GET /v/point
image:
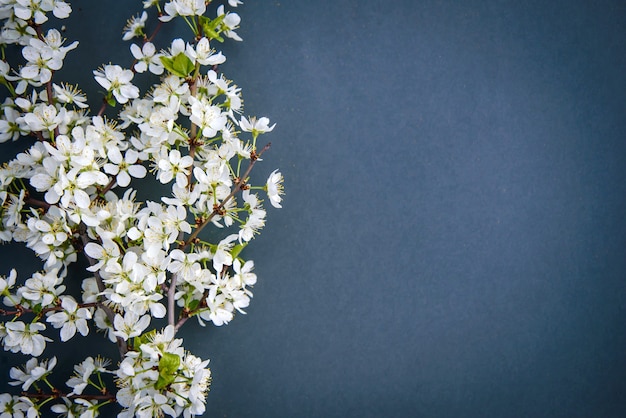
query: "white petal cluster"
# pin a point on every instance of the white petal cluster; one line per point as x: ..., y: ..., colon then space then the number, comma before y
x: 117, y: 80
x: 135, y: 26
x: 147, y: 58
x: 20, y: 337
x: 160, y: 377
x: 32, y: 372
x: 175, y: 8
x: 70, y: 319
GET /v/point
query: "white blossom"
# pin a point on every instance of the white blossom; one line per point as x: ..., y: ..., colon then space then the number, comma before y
x: 123, y: 167
x: 117, y: 80
x: 32, y: 372
x: 183, y: 8
x: 71, y: 319
x: 25, y: 338
x: 135, y: 27
x: 274, y: 187
x: 147, y: 58
x: 230, y: 23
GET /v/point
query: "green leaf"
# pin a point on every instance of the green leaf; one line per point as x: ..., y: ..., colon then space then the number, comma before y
x: 237, y: 249
x: 183, y: 64
x: 143, y: 339
x: 209, y: 27
x: 179, y: 65
x: 193, y: 305
x: 111, y: 100
x: 168, y: 366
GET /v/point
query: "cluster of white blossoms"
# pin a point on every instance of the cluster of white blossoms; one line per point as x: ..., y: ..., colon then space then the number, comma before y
x: 68, y: 195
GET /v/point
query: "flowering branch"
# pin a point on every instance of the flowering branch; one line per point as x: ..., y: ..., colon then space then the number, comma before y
x: 69, y: 195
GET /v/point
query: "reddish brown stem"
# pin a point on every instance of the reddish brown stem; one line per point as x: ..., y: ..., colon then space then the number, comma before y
x: 237, y: 188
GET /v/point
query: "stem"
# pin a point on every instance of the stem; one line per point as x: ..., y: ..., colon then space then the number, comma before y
x: 38, y: 203
x: 103, y: 107
x: 238, y: 187
x: 108, y: 187
x: 156, y: 30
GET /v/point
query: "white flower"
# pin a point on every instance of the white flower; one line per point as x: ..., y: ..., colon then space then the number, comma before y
x: 44, y: 118
x: 44, y: 56
x: 173, y: 165
x: 6, y: 283
x: 66, y: 93
x: 203, y: 54
x: 274, y: 188
x: 255, y: 221
x: 256, y: 126
x: 207, y: 116
x: 83, y: 371
x: 76, y: 408
x: 222, y: 256
x: 147, y: 58
x: 243, y: 274
x: 32, y: 372
x: 42, y: 289
x: 230, y: 23
x: 11, y: 406
x: 70, y: 187
x: 124, y: 167
x: 183, y: 8
x: 130, y: 325
x: 72, y: 318
x: 135, y: 27
x: 10, y: 128
x: 172, y: 87
x: 27, y: 9
x: 117, y: 80
x: 109, y: 250
x: 25, y: 338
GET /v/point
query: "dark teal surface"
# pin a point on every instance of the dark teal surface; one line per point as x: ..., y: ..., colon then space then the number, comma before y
x: 453, y: 237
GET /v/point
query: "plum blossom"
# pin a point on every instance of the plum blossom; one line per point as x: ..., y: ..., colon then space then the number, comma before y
x: 147, y: 58
x: 83, y: 371
x: 123, y: 167
x: 71, y: 319
x: 203, y: 54
x: 32, y: 372
x: 25, y: 338
x: 117, y: 80
x: 183, y: 8
x: 130, y: 325
x: 207, y: 116
x: 256, y: 126
x: 66, y: 93
x: 274, y: 188
x: 135, y: 27
x: 44, y: 56
x: 173, y: 165
x: 230, y: 23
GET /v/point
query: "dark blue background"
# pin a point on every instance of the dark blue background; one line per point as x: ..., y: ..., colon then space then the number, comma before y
x: 452, y: 242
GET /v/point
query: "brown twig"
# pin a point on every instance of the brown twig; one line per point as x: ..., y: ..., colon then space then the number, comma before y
x: 239, y: 186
